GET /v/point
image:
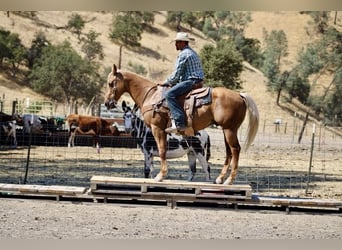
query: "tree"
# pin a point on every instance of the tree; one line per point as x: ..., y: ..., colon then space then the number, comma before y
x: 324, y: 57
x: 276, y: 49
x: 190, y: 19
x: 320, y: 20
x: 146, y: 16
x: 222, y: 24
x: 238, y: 21
x: 173, y: 19
x: 76, y: 24
x: 215, y: 26
x: 222, y: 64
x: 126, y: 30
x: 63, y: 75
x: 250, y: 49
x: 209, y: 30
x: 333, y: 110
x: 5, y: 51
x: 297, y: 86
x: 202, y: 17
x: 37, y: 45
x: 11, y: 50
x: 92, y: 48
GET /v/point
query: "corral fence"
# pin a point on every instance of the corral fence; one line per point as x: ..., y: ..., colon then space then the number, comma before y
x: 276, y: 164
x: 27, y: 106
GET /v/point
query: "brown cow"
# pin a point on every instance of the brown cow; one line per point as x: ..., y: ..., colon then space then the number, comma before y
x: 90, y: 125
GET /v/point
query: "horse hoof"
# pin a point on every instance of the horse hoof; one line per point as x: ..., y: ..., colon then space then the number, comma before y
x: 158, y: 178
x: 218, y: 181
x: 228, y: 182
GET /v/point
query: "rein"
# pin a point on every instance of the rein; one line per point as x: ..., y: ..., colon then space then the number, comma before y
x: 144, y: 109
x: 147, y: 92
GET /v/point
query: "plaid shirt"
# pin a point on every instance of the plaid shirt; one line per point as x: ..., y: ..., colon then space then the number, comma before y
x: 188, y: 66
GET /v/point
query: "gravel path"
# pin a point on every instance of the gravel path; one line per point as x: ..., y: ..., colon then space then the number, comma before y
x: 39, y: 219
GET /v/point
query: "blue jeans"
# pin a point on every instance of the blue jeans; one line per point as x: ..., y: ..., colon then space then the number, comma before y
x: 177, y: 112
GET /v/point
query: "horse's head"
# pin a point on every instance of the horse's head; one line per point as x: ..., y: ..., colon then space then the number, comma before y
x: 115, y: 88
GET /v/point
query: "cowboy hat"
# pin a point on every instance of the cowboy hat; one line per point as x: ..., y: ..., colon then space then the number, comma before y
x: 182, y: 36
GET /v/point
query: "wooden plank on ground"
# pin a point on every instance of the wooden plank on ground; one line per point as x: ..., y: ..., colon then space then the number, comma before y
x: 148, y: 186
x: 298, y: 202
x: 41, y: 189
x: 174, y: 183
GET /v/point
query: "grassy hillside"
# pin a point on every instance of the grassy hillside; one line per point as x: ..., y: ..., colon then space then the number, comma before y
x: 157, y: 54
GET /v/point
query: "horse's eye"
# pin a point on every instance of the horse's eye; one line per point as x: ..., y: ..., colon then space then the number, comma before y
x: 110, y: 84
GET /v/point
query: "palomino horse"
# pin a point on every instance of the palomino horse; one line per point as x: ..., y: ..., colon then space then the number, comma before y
x: 226, y: 109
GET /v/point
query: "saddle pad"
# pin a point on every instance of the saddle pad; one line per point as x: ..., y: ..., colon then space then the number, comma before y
x: 203, y: 97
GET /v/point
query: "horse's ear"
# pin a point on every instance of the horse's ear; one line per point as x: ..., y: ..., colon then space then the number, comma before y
x: 114, y: 69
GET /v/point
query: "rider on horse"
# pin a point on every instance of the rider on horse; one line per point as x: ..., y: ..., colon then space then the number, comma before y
x: 187, y: 73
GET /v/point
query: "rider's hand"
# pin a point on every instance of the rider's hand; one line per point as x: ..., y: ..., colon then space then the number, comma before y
x: 163, y: 84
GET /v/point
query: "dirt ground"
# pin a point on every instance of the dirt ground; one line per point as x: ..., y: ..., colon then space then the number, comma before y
x: 33, y: 219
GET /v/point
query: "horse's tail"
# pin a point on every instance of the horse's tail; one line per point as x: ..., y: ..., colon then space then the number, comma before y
x: 253, y: 123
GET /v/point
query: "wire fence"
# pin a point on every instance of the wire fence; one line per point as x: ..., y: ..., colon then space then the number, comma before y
x: 276, y: 164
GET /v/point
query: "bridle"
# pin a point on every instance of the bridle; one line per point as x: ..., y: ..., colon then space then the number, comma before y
x: 113, y: 87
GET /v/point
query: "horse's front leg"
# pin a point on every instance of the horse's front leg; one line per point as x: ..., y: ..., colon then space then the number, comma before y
x: 160, y: 137
x: 163, y: 164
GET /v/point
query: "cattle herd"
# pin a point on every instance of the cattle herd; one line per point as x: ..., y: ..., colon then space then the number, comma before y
x: 15, y: 129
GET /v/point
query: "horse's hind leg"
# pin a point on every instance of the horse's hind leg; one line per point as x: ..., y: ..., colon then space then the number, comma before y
x: 232, y: 157
x: 224, y: 171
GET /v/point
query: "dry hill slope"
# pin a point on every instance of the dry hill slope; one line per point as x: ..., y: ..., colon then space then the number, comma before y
x: 157, y: 53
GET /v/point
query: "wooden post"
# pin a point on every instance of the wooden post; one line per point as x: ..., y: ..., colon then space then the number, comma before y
x: 14, y: 107
x: 303, y: 128
x: 120, y: 56
x: 310, y: 163
x: 28, y: 152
